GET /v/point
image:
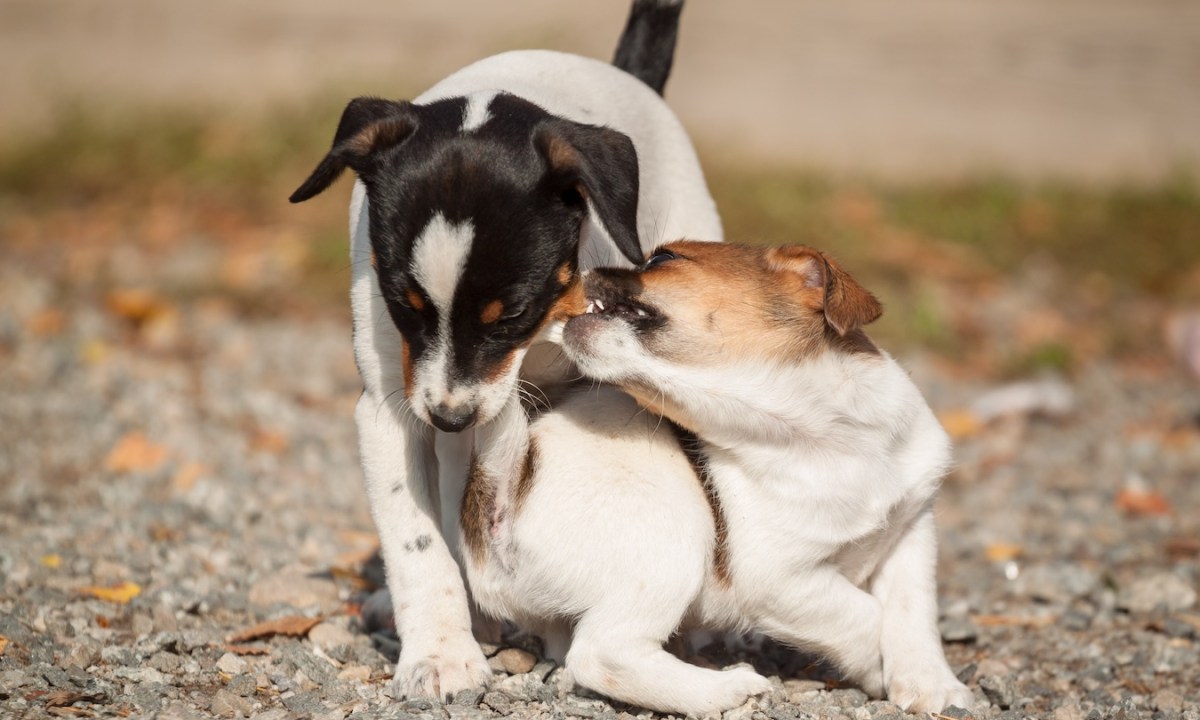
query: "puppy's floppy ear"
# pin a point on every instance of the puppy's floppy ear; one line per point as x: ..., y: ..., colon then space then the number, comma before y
x: 368, y: 125
x: 600, y: 166
x: 846, y: 304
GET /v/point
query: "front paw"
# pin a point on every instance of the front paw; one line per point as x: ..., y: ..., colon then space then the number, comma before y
x: 929, y: 692
x: 441, y: 673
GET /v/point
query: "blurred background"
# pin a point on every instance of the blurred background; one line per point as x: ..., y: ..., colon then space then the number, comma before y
x: 1015, y: 179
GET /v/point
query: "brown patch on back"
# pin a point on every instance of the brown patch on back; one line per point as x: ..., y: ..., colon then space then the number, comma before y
x: 479, y: 499
x: 491, y: 312
x: 524, y: 484
x: 414, y: 299
x: 690, y: 444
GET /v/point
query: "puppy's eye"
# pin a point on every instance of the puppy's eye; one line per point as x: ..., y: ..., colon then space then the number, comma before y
x: 514, y: 312
x: 658, y: 258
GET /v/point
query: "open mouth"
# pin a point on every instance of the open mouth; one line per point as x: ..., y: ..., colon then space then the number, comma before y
x: 623, y: 309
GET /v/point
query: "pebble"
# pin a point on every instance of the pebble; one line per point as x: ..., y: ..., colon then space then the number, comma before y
x: 999, y: 690
x: 228, y: 704
x: 231, y: 664
x: 328, y: 635
x: 1160, y: 590
x: 357, y: 673
x: 513, y: 661
x: 297, y: 590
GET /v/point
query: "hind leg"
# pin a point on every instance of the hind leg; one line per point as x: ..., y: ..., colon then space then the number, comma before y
x: 622, y: 656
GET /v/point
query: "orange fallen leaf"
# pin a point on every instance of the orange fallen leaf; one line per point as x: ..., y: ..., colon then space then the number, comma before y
x: 1142, y: 501
x: 1003, y: 552
x: 52, y: 561
x: 248, y: 649
x: 121, y: 593
x: 135, y: 452
x: 268, y: 441
x: 135, y: 305
x: 186, y: 476
x: 1001, y: 620
x: 45, y: 323
x: 961, y: 424
x: 291, y: 625
x: 3, y: 645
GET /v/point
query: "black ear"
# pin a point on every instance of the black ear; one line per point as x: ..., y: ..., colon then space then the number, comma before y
x: 601, y: 165
x: 367, y: 125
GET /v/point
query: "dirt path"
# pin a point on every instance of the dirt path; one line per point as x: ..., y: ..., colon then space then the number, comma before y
x: 1084, y: 89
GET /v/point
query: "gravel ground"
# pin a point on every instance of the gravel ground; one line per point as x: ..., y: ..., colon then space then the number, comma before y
x: 173, y: 474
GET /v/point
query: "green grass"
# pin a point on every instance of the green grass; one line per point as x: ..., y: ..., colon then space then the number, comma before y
x: 905, y: 241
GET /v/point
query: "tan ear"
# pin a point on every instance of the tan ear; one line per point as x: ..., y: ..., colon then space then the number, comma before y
x: 846, y: 304
x: 367, y: 126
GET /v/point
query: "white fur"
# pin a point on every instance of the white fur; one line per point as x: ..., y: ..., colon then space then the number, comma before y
x: 415, y: 475
x: 608, y: 552
x: 477, y: 110
x: 826, y: 470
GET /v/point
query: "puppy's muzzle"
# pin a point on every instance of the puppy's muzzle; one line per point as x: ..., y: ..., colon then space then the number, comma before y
x: 453, y: 419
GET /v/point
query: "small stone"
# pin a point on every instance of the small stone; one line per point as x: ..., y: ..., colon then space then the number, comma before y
x: 1057, y: 583
x: 327, y: 635
x: 1168, y: 701
x: 958, y: 630
x: 297, y: 590
x: 1163, y: 589
x: 142, y: 624
x: 85, y: 653
x: 498, y: 701
x: 165, y: 662
x: 227, y: 704
x: 584, y: 708
x: 15, y: 679
x: 1069, y: 710
x: 999, y: 690
x: 524, y: 687
x: 513, y: 661
x: 243, y: 685
x: 469, y: 696
x: 544, y: 668
x: 957, y: 713
x: 231, y: 664
x: 356, y: 673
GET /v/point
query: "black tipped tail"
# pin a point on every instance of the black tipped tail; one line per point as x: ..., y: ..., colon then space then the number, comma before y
x: 647, y: 46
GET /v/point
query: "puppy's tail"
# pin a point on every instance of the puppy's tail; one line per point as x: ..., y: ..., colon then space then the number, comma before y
x: 647, y: 46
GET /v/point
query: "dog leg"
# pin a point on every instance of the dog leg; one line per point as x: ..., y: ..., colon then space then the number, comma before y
x: 438, y: 654
x: 620, y: 653
x: 914, y: 666
x: 824, y: 612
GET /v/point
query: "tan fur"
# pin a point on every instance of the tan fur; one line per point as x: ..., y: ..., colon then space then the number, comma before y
x: 491, y: 312
x: 414, y: 300
x: 732, y: 301
x: 479, y: 499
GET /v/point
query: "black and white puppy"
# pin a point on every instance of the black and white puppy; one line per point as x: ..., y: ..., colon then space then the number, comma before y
x: 476, y: 207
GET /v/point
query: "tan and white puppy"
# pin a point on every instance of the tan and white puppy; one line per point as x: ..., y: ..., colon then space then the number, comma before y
x: 823, y: 456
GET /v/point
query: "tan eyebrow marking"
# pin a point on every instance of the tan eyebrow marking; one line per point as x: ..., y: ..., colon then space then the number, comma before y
x: 414, y: 300
x: 491, y: 312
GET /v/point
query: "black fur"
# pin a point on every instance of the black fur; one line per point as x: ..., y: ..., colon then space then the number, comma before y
x: 524, y: 180
x: 647, y: 46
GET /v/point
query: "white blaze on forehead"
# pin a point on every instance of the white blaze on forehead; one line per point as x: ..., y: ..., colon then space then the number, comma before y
x: 477, y: 110
x: 438, y: 259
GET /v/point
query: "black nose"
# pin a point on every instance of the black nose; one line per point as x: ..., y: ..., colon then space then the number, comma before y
x: 448, y: 419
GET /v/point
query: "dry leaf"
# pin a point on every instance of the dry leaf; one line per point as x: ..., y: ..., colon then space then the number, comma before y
x: 1142, y: 501
x: 961, y: 424
x: 292, y: 625
x: 998, y: 620
x: 1003, y: 552
x: 52, y: 561
x: 63, y: 698
x: 135, y: 452
x: 186, y: 476
x: 248, y: 649
x: 136, y: 305
x: 269, y: 441
x: 45, y: 323
x: 3, y: 645
x: 122, y: 593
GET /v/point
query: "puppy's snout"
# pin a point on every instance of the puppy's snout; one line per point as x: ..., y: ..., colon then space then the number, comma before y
x: 452, y: 418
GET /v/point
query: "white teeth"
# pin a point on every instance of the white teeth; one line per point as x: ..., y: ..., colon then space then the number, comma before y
x: 591, y: 307
x: 599, y: 305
